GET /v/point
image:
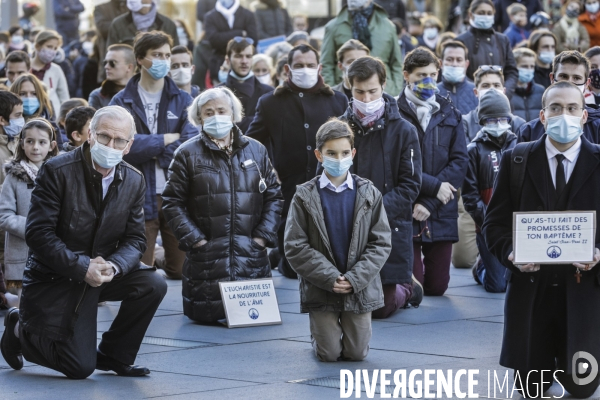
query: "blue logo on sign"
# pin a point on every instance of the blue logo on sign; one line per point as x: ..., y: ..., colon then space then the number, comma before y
x: 554, y: 252
x: 253, y: 313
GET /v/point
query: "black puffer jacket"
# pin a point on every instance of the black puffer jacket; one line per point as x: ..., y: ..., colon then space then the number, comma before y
x: 210, y: 196
x: 271, y: 21
x: 67, y: 225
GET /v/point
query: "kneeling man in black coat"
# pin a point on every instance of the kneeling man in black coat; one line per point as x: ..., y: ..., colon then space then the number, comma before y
x: 85, y: 232
x: 551, y: 311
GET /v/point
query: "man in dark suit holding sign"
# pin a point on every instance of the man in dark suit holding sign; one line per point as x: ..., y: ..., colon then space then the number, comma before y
x: 551, y: 322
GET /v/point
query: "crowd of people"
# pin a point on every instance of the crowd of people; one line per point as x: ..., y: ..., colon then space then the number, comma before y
x: 365, y: 164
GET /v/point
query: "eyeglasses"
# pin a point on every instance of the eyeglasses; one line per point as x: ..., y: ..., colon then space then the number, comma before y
x: 501, y: 120
x: 112, y: 63
x: 490, y: 68
x: 239, y: 39
x: 120, y: 144
x: 555, y: 109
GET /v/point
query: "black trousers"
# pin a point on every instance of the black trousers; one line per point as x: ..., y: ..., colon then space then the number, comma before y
x: 140, y: 292
x: 549, y: 352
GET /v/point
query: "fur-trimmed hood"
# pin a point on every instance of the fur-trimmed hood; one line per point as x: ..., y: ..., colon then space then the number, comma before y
x: 15, y: 169
x: 285, y: 87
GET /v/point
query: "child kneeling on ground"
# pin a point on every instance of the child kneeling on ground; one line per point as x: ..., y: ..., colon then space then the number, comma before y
x: 337, y: 239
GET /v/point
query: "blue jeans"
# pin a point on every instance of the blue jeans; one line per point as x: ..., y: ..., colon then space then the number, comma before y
x: 491, y: 273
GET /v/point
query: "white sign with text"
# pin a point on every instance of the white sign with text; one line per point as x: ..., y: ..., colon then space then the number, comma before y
x: 250, y: 303
x: 561, y: 237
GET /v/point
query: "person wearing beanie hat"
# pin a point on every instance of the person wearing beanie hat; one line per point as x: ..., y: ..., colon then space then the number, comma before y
x: 485, y: 152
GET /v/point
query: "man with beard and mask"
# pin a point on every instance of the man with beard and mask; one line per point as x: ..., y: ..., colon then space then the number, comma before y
x: 570, y: 66
x: 92, y: 256
x: 119, y: 64
x: 350, y: 51
x: 389, y: 155
x: 182, y: 70
x: 444, y: 160
x: 368, y: 23
x: 159, y: 108
x: 143, y: 16
x: 550, y: 310
x: 286, y: 122
x: 485, y: 151
x: 455, y: 85
x: 241, y: 79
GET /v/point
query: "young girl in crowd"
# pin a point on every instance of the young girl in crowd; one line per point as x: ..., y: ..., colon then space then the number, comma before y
x: 36, y: 103
x: 46, y: 46
x: 37, y: 143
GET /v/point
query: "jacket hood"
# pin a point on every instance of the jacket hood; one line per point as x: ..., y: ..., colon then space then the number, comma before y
x: 483, y: 136
x: 15, y: 169
x: 284, y: 87
x: 593, y: 112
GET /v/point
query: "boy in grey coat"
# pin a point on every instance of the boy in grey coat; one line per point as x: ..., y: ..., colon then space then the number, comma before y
x: 337, y: 239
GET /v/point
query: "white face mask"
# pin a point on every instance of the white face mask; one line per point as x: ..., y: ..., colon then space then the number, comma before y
x: 497, y: 130
x: 264, y: 79
x: 430, y: 33
x: 368, y: 108
x: 181, y: 76
x: 484, y: 91
x: 356, y: 4
x: 305, y: 78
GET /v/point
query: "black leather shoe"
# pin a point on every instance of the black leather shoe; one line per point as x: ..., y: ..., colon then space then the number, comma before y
x: 10, y: 345
x: 105, y: 363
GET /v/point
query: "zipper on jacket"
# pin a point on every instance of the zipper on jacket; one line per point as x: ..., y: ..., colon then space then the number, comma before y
x: 81, y: 298
x: 323, y: 237
x: 231, y: 183
x: 412, y: 152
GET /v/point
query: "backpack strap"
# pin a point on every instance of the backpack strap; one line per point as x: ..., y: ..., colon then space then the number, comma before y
x: 517, y: 171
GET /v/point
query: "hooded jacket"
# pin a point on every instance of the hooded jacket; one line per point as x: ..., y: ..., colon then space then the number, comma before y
x: 484, y: 163
x: 308, y: 250
x: 14, y: 206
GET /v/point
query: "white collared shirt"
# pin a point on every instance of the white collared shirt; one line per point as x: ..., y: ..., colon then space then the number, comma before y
x: 324, y: 182
x: 106, y: 180
x: 571, y: 156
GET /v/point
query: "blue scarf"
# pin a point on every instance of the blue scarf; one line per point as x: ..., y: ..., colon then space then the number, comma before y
x: 360, y: 25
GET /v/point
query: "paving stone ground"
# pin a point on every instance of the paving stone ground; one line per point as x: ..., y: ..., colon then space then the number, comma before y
x: 461, y: 330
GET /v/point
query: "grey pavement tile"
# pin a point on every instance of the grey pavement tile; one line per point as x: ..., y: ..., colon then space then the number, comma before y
x: 449, y: 308
x: 286, y: 296
x: 273, y: 361
x: 497, y: 319
x: 267, y: 391
x: 181, y: 327
x: 459, y: 280
x: 109, y: 311
x: 474, y: 291
x: 468, y: 339
x: 293, y: 308
x: 36, y: 382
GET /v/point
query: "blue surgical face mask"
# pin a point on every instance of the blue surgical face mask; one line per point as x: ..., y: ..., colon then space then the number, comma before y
x: 546, y: 57
x: 526, y: 75
x: 159, y: 68
x: 15, y: 127
x: 453, y: 74
x: 30, y: 105
x: 105, y: 156
x: 483, y: 21
x: 217, y: 126
x: 223, y: 76
x: 564, y: 128
x: 335, y: 167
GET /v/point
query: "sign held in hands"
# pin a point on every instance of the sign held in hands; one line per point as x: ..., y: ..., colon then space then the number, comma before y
x: 250, y: 303
x: 561, y: 237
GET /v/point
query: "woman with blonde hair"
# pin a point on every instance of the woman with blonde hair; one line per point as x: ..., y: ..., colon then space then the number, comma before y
x: 46, y: 45
x: 36, y: 102
x: 262, y: 67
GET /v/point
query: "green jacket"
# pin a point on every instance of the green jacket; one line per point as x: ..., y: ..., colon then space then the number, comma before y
x: 385, y: 47
x: 308, y: 250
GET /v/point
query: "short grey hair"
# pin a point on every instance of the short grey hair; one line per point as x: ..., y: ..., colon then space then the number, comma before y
x: 113, y: 112
x: 220, y: 92
x: 263, y: 57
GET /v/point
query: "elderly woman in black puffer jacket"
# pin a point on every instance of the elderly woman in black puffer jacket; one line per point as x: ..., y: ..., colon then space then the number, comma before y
x: 223, y: 202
